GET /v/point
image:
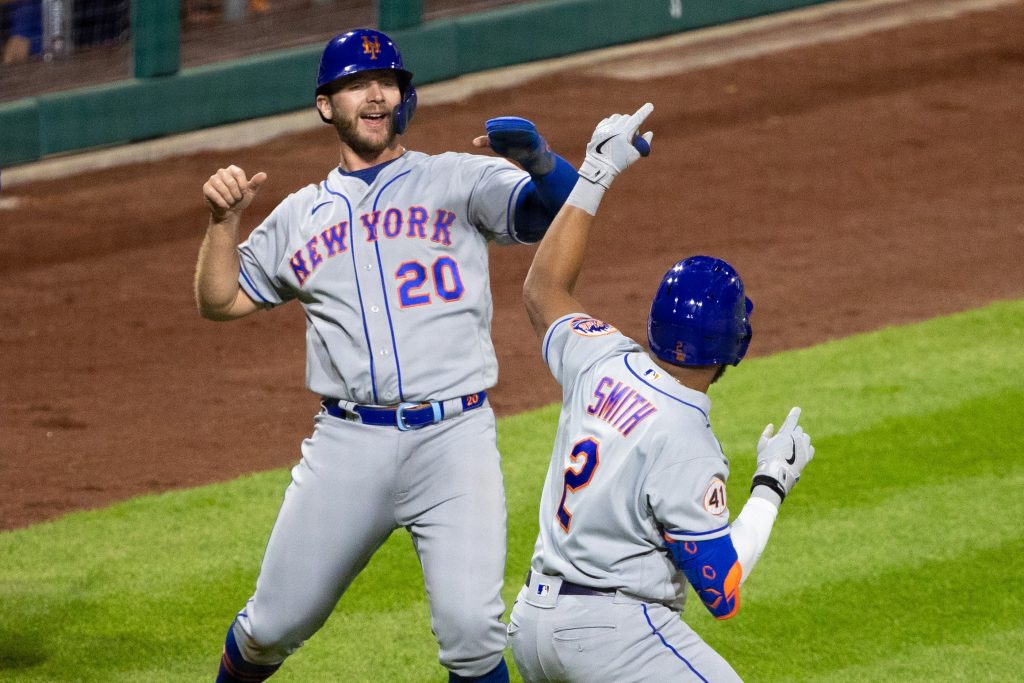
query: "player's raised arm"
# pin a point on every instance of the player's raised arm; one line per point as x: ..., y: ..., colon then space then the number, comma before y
x: 781, y: 459
x: 549, y: 286
x: 227, y: 193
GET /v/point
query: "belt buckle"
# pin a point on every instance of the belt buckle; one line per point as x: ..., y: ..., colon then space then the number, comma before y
x: 400, y: 417
x: 403, y: 426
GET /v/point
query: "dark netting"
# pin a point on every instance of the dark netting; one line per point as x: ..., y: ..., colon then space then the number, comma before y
x: 214, y: 30
x: 51, y: 45
x: 99, y: 49
x: 440, y: 9
x: 223, y: 29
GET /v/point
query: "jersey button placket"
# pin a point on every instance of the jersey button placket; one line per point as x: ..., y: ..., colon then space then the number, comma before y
x: 378, y: 328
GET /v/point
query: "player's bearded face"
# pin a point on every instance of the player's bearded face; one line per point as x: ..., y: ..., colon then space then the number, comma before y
x: 367, y: 140
x: 364, y: 114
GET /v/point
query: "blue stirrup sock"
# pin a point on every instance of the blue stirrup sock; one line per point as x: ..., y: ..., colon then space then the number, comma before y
x: 498, y: 674
x: 234, y: 669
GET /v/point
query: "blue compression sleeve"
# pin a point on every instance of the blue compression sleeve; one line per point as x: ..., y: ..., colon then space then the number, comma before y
x: 541, y: 199
x: 713, y: 569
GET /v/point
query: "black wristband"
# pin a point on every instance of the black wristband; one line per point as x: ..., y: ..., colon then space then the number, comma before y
x: 770, y: 482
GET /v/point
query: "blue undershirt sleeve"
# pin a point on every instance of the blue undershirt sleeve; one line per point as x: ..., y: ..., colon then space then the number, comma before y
x: 541, y: 199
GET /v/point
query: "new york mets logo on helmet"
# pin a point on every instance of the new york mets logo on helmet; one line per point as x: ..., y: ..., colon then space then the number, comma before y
x: 591, y: 327
x: 371, y: 46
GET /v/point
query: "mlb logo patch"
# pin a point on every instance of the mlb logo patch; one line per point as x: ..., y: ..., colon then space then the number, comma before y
x: 591, y: 327
x: 543, y: 589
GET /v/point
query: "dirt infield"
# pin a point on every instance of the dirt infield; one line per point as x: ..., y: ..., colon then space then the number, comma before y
x: 855, y: 185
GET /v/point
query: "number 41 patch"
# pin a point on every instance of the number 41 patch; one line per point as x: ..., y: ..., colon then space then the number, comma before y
x: 714, y: 497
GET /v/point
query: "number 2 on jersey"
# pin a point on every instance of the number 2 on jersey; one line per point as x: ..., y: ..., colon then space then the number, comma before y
x: 585, y: 458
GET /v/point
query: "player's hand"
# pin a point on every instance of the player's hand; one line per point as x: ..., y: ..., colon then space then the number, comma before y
x: 517, y: 139
x: 615, y: 145
x: 782, y: 457
x: 228, y: 192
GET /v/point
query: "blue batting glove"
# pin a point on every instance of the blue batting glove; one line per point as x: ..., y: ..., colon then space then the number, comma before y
x: 517, y: 139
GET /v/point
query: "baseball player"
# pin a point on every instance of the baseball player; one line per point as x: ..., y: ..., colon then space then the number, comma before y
x: 388, y: 258
x: 634, y: 504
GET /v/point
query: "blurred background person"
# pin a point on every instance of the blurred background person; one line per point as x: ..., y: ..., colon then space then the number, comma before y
x: 24, y: 38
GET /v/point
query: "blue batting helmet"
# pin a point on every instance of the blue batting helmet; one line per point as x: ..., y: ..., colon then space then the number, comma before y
x: 700, y: 315
x: 364, y: 50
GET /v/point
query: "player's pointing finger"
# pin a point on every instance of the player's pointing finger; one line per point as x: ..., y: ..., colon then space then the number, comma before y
x: 640, y: 116
x: 642, y: 143
x: 791, y: 419
x: 769, y: 430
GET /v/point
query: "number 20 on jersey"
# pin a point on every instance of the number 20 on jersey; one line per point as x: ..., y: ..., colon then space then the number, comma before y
x: 415, y: 288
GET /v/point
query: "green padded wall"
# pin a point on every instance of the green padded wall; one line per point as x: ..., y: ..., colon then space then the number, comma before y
x: 278, y: 82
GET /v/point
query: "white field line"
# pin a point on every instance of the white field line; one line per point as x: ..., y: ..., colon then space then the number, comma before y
x: 827, y: 22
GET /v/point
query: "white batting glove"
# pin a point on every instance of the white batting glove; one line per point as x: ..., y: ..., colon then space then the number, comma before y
x: 782, y: 457
x: 615, y: 146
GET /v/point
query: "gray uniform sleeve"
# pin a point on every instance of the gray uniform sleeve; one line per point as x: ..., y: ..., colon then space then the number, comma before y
x: 492, y: 199
x: 261, y: 254
x: 576, y: 341
x: 688, y: 498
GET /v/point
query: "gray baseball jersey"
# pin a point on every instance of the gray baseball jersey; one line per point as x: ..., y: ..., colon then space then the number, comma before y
x: 393, y: 277
x: 388, y: 270
x: 634, y: 462
x: 634, y: 459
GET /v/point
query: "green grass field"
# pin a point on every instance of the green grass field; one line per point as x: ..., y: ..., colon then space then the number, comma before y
x: 895, y: 559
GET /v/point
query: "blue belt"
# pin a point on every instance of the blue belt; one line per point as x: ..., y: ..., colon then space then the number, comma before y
x: 404, y: 416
